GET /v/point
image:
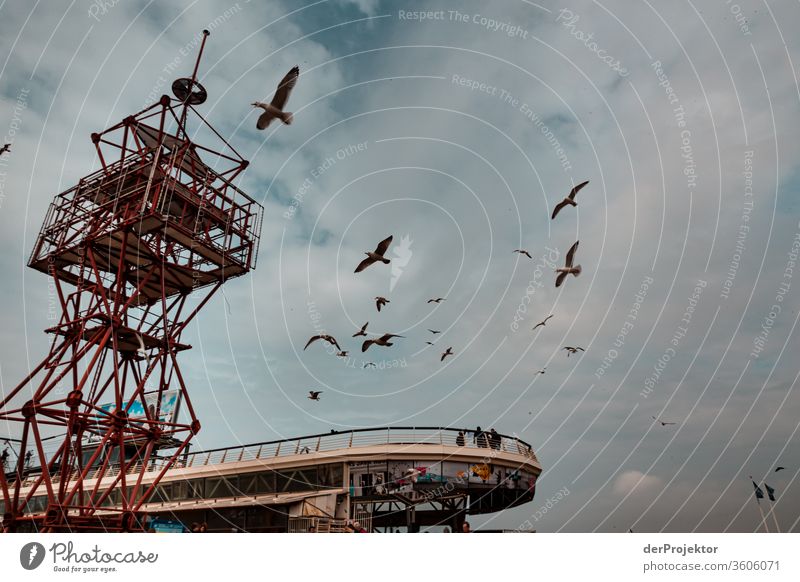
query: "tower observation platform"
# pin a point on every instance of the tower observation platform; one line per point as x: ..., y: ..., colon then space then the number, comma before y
x: 134, y: 250
x: 385, y: 478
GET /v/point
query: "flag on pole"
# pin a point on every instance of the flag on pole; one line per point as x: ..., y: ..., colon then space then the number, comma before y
x: 759, y: 497
x: 770, y: 492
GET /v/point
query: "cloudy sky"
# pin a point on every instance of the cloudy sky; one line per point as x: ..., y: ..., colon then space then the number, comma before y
x: 458, y: 133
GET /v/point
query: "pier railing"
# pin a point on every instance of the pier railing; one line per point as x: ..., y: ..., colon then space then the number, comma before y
x: 338, y: 440
x: 491, y: 443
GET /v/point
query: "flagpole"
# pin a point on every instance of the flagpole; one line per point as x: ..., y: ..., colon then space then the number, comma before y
x: 771, y: 494
x: 759, y: 497
x: 763, y: 519
x: 774, y: 518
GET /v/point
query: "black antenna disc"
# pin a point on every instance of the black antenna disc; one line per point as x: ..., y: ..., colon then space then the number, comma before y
x: 188, y: 91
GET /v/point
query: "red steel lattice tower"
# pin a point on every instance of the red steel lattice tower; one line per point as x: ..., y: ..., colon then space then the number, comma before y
x: 159, y: 223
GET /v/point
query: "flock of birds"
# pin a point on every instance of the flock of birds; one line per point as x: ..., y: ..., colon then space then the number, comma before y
x: 379, y: 256
x: 275, y: 110
x: 376, y: 256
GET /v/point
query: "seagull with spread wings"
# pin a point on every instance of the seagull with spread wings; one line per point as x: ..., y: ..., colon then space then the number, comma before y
x: 381, y: 341
x: 448, y: 352
x: 523, y: 252
x: 662, y: 422
x: 314, y: 394
x: 274, y: 108
x: 573, y: 350
x: 568, y: 269
x: 381, y: 302
x: 543, y: 322
x: 362, y: 331
x: 569, y: 200
x: 376, y: 255
x: 437, y: 300
x: 5, y: 148
x: 328, y: 338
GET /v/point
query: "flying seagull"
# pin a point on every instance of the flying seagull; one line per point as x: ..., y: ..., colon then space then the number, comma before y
x: 437, y: 300
x: 275, y: 107
x: 569, y: 200
x: 381, y: 341
x: 541, y: 371
x: 381, y: 302
x: 568, y: 268
x: 328, y: 338
x: 376, y: 255
x: 434, y: 331
x: 342, y: 354
x: 543, y: 322
x: 448, y: 352
x: 368, y: 364
x: 779, y: 469
x: 662, y: 422
x: 362, y: 331
x: 429, y: 343
x: 5, y: 148
x: 314, y: 394
x: 523, y: 252
x: 572, y: 350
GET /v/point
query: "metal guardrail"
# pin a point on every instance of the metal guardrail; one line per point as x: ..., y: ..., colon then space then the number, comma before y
x: 333, y: 441
x: 304, y: 524
x: 337, y: 441
x: 236, y: 227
